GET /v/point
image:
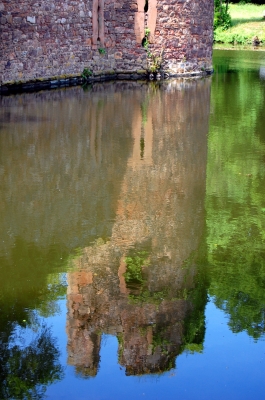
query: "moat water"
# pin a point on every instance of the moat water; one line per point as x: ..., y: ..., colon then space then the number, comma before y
x: 132, y: 241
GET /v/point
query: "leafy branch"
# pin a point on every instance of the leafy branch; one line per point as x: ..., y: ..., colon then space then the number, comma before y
x: 154, y: 61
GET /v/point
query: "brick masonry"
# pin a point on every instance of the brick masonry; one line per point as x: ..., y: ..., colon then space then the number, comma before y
x: 48, y: 39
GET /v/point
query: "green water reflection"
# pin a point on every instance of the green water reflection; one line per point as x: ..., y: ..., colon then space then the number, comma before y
x: 134, y: 202
x: 235, y: 200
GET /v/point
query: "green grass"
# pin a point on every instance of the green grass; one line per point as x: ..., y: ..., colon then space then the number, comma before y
x: 247, y: 22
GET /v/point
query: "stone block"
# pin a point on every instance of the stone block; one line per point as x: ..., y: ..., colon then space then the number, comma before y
x: 118, y: 55
x: 32, y: 20
x: 17, y: 20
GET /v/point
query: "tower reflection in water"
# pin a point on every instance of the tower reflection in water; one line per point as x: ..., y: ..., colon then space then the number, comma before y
x: 143, y: 284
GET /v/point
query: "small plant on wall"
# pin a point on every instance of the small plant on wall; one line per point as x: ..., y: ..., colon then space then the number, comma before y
x: 102, y: 51
x: 134, y: 267
x: 154, y: 62
x: 86, y: 74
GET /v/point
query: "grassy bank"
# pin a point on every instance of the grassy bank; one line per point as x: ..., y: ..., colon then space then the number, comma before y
x: 247, y: 22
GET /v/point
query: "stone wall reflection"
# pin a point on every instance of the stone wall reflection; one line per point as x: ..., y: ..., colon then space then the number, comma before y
x: 159, y: 217
x: 62, y: 159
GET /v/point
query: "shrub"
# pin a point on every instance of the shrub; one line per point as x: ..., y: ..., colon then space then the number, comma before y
x: 86, y: 73
x: 222, y: 17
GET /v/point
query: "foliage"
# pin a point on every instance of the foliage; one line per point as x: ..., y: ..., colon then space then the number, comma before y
x: 222, y: 36
x: 26, y: 284
x: 154, y: 61
x: 142, y: 147
x: 222, y: 17
x: 145, y: 41
x: 194, y: 324
x: 40, y: 290
x: 194, y: 348
x: 121, y: 345
x: 134, y: 266
x: 55, y: 289
x: 86, y: 73
x: 194, y: 330
x: 235, y: 203
x: 27, y: 370
x: 159, y: 339
x: 144, y: 109
x: 246, y: 22
x: 102, y: 51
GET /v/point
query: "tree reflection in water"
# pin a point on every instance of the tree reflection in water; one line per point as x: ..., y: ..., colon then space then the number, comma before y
x: 29, y: 355
x: 26, y: 370
x: 235, y: 195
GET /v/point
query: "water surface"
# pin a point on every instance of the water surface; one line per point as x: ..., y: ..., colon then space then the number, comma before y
x: 132, y: 238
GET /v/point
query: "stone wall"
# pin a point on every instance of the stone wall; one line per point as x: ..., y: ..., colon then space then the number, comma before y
x: 52, y: 38
x: 184, y: 32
